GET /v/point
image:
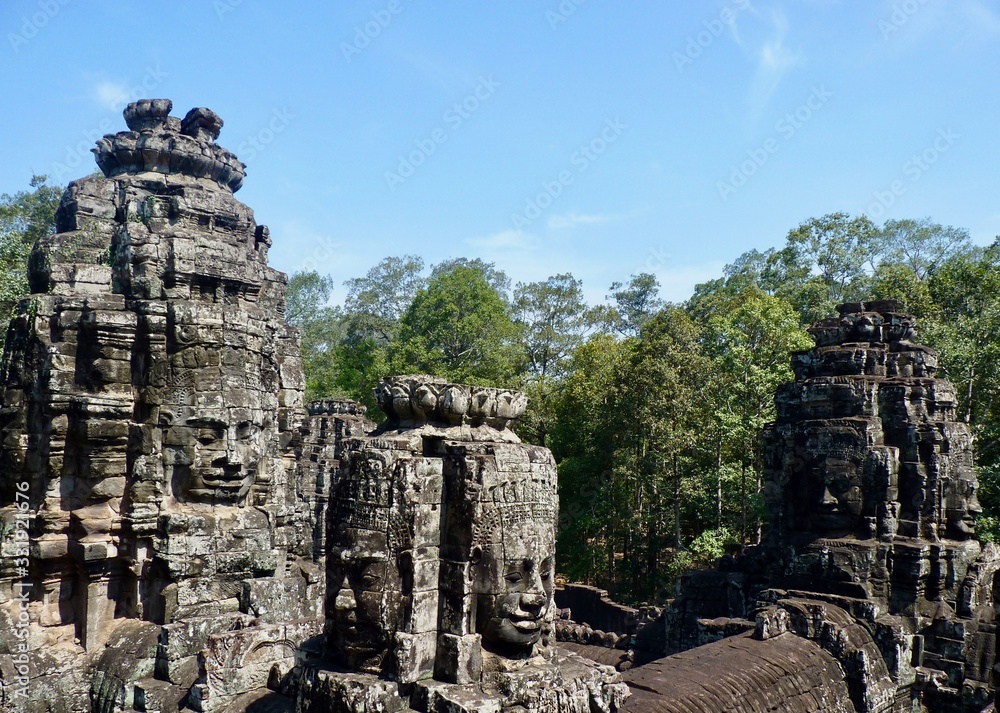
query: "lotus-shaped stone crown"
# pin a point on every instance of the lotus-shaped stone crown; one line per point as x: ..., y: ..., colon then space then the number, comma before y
x: 413, y: 400
x: 159, y: 143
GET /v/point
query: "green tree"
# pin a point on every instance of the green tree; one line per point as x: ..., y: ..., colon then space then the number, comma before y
x: 634, y: 304
x: 25, y: 217
x: 553, y: 319
x: 376, y: 302
x: 322, y: 330
x: 825, y: 261
x: 749, y: 343
x: 656, y: 411
x: 835, y: 250
x: 922, y: 245
x: 372, y: 311
x: 496, y: 277
x: 594, y: 509
x: 458, y: 327
x: 896, y: 281
x: 965, y: 329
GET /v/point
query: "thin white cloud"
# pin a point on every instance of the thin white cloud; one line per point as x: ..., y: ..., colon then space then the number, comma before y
x: 504, y: 240
x: 774, y: 60
x: 981, y: 17
x: 112, y: 95
x: 560, y: 222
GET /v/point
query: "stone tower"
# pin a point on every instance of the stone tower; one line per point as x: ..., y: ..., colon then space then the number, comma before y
x: 870, y: 552
x: 150, y: 421
x: 440, y: 566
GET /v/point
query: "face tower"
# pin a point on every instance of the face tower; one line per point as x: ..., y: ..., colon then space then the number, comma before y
x: 440, y: 562
x: 152, y: 398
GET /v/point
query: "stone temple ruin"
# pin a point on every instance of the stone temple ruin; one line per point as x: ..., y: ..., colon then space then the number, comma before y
x: 180, y: 531
x: 870, y: 566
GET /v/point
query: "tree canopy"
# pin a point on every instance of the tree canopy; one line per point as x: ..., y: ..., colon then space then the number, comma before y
x: 652, y: 410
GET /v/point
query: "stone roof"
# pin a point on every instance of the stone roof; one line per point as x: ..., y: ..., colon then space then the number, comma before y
x: 785, y: 674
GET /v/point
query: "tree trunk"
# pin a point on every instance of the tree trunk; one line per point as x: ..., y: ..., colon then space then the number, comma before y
x: 758, y: 475
x: 613, y: 590
x: 677, y: 505
x: 718, y: 486
x: 743, y: 497
x: 968, y: 396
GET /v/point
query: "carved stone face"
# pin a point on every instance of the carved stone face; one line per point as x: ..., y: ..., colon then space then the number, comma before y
x: 514, y: 588
x: 961, y: 506
x: 369, y: 599
x: 827, y: 488
x: 835, y: 495
x: 214, y: 461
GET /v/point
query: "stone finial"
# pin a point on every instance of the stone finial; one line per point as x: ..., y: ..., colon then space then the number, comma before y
x: 147, y: 114
x: 202, y: 124
x: 875, y: 321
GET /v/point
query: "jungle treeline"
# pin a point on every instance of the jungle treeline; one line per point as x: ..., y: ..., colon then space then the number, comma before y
x: 652, y: 409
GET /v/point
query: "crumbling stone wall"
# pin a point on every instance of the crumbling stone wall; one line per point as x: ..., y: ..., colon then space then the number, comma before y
x: 591, y: 606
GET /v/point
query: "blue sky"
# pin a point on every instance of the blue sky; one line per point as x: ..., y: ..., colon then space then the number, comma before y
x: 595, y: 137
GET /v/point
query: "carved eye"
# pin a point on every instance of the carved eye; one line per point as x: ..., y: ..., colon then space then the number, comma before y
x: 514, y: 577
x: 546, y: 571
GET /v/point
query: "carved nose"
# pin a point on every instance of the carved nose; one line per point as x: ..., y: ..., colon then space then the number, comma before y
x: 827, y: 498
x: 532, y: 602
x: 345, y: 598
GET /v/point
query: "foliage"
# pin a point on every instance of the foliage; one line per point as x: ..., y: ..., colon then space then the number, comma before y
x: 25, y: 217
x: 496, y: 278
x: 553, y: 319
x: 711, y: 545
x: 653, y: 411
x: 634, y: 304
x: 376, y: 302
x: 458, y: 327
x: 372, y: 310
x: 322, y: 330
